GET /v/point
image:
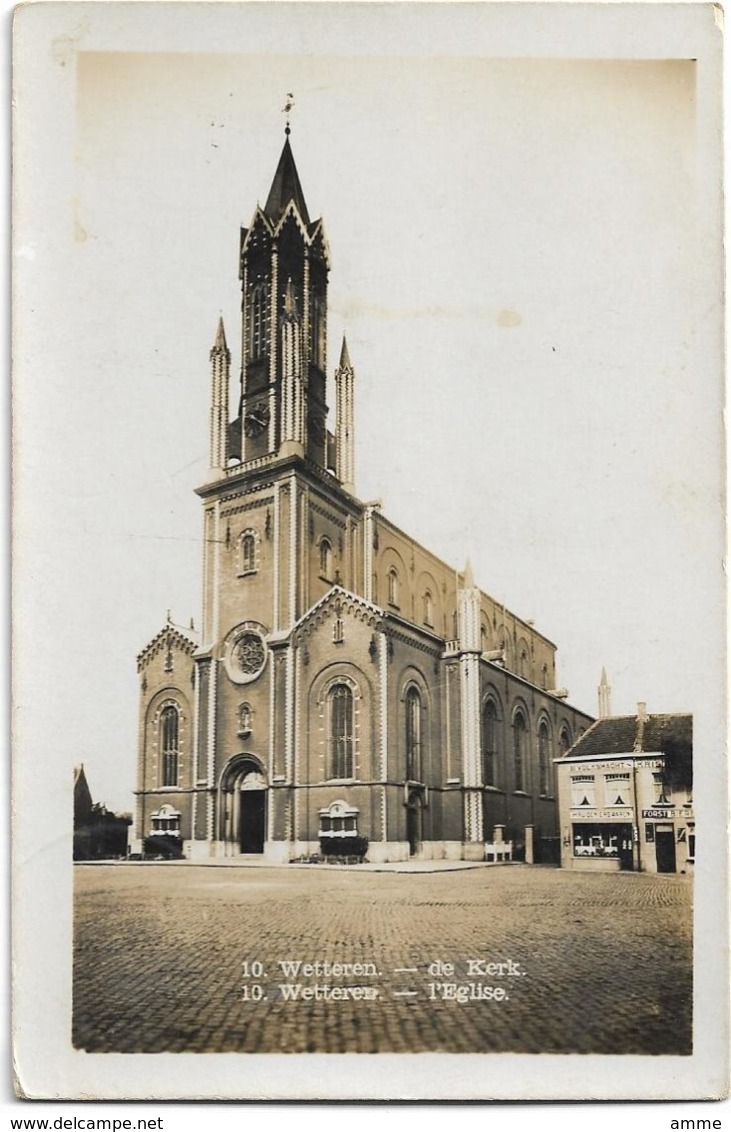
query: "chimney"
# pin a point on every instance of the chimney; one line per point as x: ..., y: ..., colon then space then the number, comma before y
x: 642, y: 711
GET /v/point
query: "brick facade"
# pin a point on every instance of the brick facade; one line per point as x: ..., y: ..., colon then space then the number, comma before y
x: 346, y: 679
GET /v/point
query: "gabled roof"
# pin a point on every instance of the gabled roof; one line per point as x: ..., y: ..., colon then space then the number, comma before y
x: 286, y: 187
x: 334, y: 595
x: 168, y: 637
x: 625, y: 734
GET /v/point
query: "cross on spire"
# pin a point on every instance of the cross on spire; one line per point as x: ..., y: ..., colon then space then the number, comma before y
x: 287, y: 109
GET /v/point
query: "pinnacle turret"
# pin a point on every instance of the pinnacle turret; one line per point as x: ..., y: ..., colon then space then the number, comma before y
x: 345, y: 362
x: 219, y: 345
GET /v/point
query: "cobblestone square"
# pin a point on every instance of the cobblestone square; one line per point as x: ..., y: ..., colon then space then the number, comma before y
x: 166, y: 959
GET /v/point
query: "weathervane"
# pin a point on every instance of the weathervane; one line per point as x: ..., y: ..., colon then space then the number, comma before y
x: 287, y: 109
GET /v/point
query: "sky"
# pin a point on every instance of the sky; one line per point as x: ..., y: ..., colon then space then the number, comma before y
x: 524, y: 264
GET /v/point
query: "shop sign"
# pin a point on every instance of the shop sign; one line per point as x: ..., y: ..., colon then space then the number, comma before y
x: 583, y: 813
x: 664, y: 813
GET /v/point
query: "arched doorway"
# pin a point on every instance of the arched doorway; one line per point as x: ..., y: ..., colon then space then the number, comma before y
x: 243, y: 805
x: 414, y: 801
x: 252, y: 812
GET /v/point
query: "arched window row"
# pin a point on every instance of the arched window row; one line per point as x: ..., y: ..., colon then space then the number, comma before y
x: 520, y: 751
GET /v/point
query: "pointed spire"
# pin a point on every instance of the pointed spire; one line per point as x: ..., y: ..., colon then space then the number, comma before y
x: 604, y: 693
x: 220, y: 342
x: 345, y: 362
x: 469, y: 578
x: 286, y: 187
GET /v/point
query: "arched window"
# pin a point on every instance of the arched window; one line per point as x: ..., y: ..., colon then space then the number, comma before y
x: 248, y: 552
x: 169, y: 721
x: 340, y: 730
x: 326, y: 559
x: 413, y: 735
x: 544, y: 676
x: 564, y: 741
x: 489, y: 743
x: 393, y: 586
x: 258, y: 321
x: 544, y: 760
x: 524, y: 663
x: 428, y: 608
x: 519, y: 750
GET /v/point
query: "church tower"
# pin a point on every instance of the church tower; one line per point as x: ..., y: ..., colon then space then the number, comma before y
x: 347, y: 686
x: 283, y: 268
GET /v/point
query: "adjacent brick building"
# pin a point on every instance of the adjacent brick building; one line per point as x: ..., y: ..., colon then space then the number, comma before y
x: 626, y: 795
x: 346, y: 680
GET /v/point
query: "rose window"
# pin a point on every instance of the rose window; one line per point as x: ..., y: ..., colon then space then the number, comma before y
x: 249, y: 653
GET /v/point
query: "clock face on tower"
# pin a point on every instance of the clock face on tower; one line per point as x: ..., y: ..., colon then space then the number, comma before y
x: 256, y: 419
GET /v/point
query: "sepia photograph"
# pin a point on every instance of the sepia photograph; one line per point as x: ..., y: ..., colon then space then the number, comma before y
x: 369, y: 475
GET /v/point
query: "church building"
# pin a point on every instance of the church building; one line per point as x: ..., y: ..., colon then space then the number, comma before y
x: 346, y: 680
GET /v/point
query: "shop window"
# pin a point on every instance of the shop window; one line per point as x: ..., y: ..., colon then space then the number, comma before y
x: 490, y: 732
x: 594, y: 840
x: 413, y: 735
x: 340, y: 716
x: 649, y: 831
x: 169, y: 728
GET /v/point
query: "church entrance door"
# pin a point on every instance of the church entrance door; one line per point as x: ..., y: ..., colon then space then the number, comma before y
x: 251, y: 823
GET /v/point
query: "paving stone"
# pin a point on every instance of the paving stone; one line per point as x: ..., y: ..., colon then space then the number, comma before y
x: 607, y: 960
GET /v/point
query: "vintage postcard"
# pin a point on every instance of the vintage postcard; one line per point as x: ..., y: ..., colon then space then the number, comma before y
x: 369, y: 635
